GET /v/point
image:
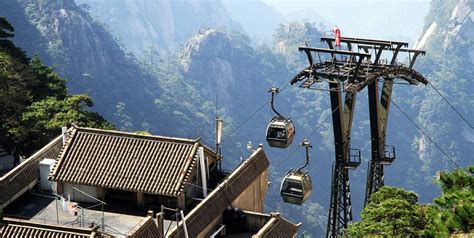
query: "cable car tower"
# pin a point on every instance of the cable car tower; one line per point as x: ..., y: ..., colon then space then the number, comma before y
x: 347, y: 72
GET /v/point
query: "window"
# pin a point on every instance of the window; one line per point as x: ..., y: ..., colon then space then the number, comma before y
x: 292, y: 186
x: 276, y: 133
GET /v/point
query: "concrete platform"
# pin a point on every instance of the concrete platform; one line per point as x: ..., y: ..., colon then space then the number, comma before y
x: 45, y: 208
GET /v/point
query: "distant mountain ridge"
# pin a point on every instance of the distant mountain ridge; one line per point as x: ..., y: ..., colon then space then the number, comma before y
x: 176, y: 95
x: 91, y: 60
x: 448, y: 39
x: 160, y: 25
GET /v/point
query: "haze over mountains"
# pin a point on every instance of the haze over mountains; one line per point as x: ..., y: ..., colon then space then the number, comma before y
x: 187, y: 53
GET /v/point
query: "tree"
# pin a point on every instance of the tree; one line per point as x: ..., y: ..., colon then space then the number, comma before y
x: 452, y: 211
x: 49, y: 84
x: 390, y: 212
x: 43, y: 120
x: 34, y: 102
x: 6, y: 29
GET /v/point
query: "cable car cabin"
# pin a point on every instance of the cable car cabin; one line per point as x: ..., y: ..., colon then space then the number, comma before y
x: 280, y: 132
x: 296, y: 187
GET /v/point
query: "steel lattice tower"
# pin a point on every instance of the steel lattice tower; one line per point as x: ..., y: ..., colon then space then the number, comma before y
x: 347, y: 72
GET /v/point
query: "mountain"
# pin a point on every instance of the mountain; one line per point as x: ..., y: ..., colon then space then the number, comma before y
x: 227, y: 66
x: 34, y: 102
x: 308, y: 15
x: 144, y: 26
x: 220, y: 71
x: 448, y: 39
x: 91, y: 60
x: 245, y: 12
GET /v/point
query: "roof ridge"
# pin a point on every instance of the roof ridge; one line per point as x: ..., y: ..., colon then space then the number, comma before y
x: 31, y: 158
x: 132, y: 134
x: 275, y: 220
x: 219, y: 198
x: 141, y: 154
x: 37, y: 225
x: 62, y: 153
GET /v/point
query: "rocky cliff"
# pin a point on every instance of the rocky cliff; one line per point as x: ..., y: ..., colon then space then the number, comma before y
x: 91, y: 60
x: 448, y: 39
x: 144, y: 25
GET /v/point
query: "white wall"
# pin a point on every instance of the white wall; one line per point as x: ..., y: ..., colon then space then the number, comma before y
x: 77, y: 196
x: 45, y: 167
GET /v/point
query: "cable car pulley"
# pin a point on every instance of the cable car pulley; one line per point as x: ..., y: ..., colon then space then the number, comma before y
x: 296, y: 186
x: 280, y: 130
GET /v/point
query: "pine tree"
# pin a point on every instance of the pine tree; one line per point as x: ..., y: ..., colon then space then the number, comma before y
x: 34, y: 102
x: 453, y: 211
x: 391, y: 212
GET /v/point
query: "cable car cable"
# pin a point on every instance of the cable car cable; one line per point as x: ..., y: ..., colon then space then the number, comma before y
x: 308, y: 136
x: 274, y: 92
x: 424, y: 133
x: 446, y: 100
x: 251, y: 115
x: 308, y: 145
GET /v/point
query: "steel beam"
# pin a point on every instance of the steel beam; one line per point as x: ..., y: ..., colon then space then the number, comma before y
x: 357, y: 74
x: 333, y: 51
x: 378, y: 109
x: 340, y: 209
x: 366, y: 41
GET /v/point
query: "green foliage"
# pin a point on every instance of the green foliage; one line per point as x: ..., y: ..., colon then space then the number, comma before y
x: 48, y: 82
x: 43, y: 119
x: 34, y: 100
x: 6, y: 28
x: 452, y: 211
x: 390, y: 212
x: 395, y: 212
x: 440, y: 11
x: 288, y: 37
x: 311, y: 212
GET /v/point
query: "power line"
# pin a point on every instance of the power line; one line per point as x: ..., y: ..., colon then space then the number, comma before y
x: 424, y: 133
x: 446, y: 100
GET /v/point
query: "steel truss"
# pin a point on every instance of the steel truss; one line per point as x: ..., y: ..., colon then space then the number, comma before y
x: 348, y: 71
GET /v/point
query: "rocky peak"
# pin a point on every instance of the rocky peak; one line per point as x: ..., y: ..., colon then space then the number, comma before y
x: 207, y: 43
x: 143, y: 25
x: 451, y: 27
x: 294, y: 34
x: 224, y: 64
x: 461, y: 22
x: 290, y: 36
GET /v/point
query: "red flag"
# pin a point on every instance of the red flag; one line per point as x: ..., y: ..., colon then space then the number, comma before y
x: 337, y: 33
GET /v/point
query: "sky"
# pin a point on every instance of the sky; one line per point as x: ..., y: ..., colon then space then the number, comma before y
x: 379, y: 19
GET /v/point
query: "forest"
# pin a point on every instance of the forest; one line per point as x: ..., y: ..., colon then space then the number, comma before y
x: 118, y: 65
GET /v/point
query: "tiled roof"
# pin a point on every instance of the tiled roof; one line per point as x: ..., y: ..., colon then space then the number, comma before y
x: 277, y: 227
x: 147, y: 228
x: 17, y: 180
x: 26, y: 229
x: 222, y: 196
x: 126, y: 161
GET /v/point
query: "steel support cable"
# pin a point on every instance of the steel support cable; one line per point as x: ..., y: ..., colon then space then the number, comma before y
x: 250, y: 117
x: 424, y: 133
x: 309, y: 135
x: 452, y: 107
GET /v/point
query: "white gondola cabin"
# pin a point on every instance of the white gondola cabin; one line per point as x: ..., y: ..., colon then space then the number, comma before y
x: 296, y: 187
x: 280, y: 132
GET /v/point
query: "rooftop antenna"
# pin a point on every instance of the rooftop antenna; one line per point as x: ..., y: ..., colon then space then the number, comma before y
x: 219, y: 127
